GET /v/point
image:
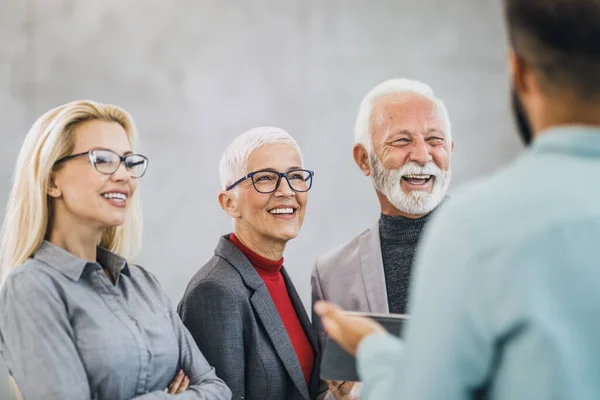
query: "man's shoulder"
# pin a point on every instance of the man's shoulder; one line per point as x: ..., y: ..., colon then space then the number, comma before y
x: 485, y: 211
x: 343, y: 254
x: 476, y: 197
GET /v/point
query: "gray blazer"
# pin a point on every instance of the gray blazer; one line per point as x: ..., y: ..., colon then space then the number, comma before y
x: 229, y: 312
x: 352, y: 277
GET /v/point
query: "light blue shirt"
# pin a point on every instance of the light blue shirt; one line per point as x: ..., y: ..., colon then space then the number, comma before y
x: 506, y: 295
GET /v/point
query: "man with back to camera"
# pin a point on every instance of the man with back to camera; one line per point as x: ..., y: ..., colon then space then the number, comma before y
x: 505, y: 300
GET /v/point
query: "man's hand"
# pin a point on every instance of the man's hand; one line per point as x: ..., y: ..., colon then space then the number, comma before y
x: 347, y: 330
x: 344, y: 390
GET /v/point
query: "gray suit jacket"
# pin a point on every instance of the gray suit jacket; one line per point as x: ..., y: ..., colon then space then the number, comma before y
x: 229, y: 312
x: 352, y: 277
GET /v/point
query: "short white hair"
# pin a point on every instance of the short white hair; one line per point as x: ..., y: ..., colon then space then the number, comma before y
x: 362, y: 129
x: 234, y: 161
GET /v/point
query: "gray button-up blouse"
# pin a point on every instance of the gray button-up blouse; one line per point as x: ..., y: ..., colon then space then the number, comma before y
x: 66, y: 332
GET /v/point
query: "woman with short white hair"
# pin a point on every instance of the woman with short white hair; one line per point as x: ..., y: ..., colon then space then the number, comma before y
x: 77, y: 320
x: 241, y: 307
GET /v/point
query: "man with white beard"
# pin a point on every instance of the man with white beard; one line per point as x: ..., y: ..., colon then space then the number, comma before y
x: 403, y: 142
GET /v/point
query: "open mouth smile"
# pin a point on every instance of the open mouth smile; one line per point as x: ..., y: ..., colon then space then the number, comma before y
x: 283, y: 212
x: 417, y: 179
x: 115, y: 198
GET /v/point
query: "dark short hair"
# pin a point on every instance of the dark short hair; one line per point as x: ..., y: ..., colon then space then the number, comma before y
x: 560, y: 39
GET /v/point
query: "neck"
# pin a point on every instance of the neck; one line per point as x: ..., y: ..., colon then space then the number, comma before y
x: 388, y: 209
x: 400, y: 229
x: 263, y: 246
x: 552, y: 114
x: 78, y: 238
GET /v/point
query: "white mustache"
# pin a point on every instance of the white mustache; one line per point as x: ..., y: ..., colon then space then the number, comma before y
x: 413, y: 168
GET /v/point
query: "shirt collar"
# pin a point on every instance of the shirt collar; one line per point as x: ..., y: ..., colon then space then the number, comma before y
x: 569, y: 139
x: 72, y: 266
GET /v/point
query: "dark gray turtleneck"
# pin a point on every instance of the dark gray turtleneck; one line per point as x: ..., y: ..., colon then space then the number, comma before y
x: 399, y: 239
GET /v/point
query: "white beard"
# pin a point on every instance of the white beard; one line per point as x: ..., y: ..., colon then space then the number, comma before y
x: 416, y: 202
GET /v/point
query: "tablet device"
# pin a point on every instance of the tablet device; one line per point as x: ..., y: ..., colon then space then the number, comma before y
x: 338, y: 365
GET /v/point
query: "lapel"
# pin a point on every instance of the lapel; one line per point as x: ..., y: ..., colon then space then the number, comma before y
x: 265, y: 309
x: 300, y: 311
x: 371, y: 264
x: 311, y: 334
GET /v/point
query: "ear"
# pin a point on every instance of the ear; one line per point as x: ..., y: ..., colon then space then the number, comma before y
x: 452, y: 147
x: 520, y: 74
x: 229, y: 203
x: 53, y: 190
x: 361, y: 158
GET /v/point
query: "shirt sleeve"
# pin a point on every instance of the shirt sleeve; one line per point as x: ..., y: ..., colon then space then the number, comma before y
x: 379, y: 361
x: 38, y: 341
x: 204, y: 383
x: 211, y: 314
x: 447, y: 350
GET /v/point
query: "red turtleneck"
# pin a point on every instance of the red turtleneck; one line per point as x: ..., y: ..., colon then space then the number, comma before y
x: 270, y: 272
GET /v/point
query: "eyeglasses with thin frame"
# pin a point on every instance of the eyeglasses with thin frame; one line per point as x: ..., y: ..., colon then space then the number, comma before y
x: 107, y: 162
x: 267, y: 181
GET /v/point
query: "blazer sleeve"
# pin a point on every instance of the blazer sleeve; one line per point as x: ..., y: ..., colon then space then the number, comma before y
x: 316, y: 295
x: 211, y: 314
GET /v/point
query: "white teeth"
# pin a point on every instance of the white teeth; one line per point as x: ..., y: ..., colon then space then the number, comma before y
x: 118, y: 196
x: 282, y: 211
x: 417, y: 176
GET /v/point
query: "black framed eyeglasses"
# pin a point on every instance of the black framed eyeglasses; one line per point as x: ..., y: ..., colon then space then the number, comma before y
x: 267, y: 181
x: 107, y: 162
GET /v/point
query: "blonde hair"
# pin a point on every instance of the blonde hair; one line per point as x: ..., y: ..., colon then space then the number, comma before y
x: 28, y: 211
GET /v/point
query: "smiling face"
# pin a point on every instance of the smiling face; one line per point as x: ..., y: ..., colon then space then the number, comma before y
x: 268, y: 218
x: 410, y: 161
x: 83, y: 195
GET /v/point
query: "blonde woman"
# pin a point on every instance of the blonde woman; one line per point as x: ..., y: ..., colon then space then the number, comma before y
x: 77, y: 321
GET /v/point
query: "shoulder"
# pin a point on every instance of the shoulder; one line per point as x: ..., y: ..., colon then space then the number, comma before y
x: 477, y: 211
x: 342, y: 254
x: 31, y: 278
x: 216, y: 278
x: 211, y: 297
x: 142, y: 276
x: 140, y: 272
x: 33, y: 288
x: 475, y: 197
x: 219, y: 270
x: 508, y: 206
x: 515, y: 200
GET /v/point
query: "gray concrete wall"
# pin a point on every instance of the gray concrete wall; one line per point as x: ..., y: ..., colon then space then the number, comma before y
x: 196, y: 73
